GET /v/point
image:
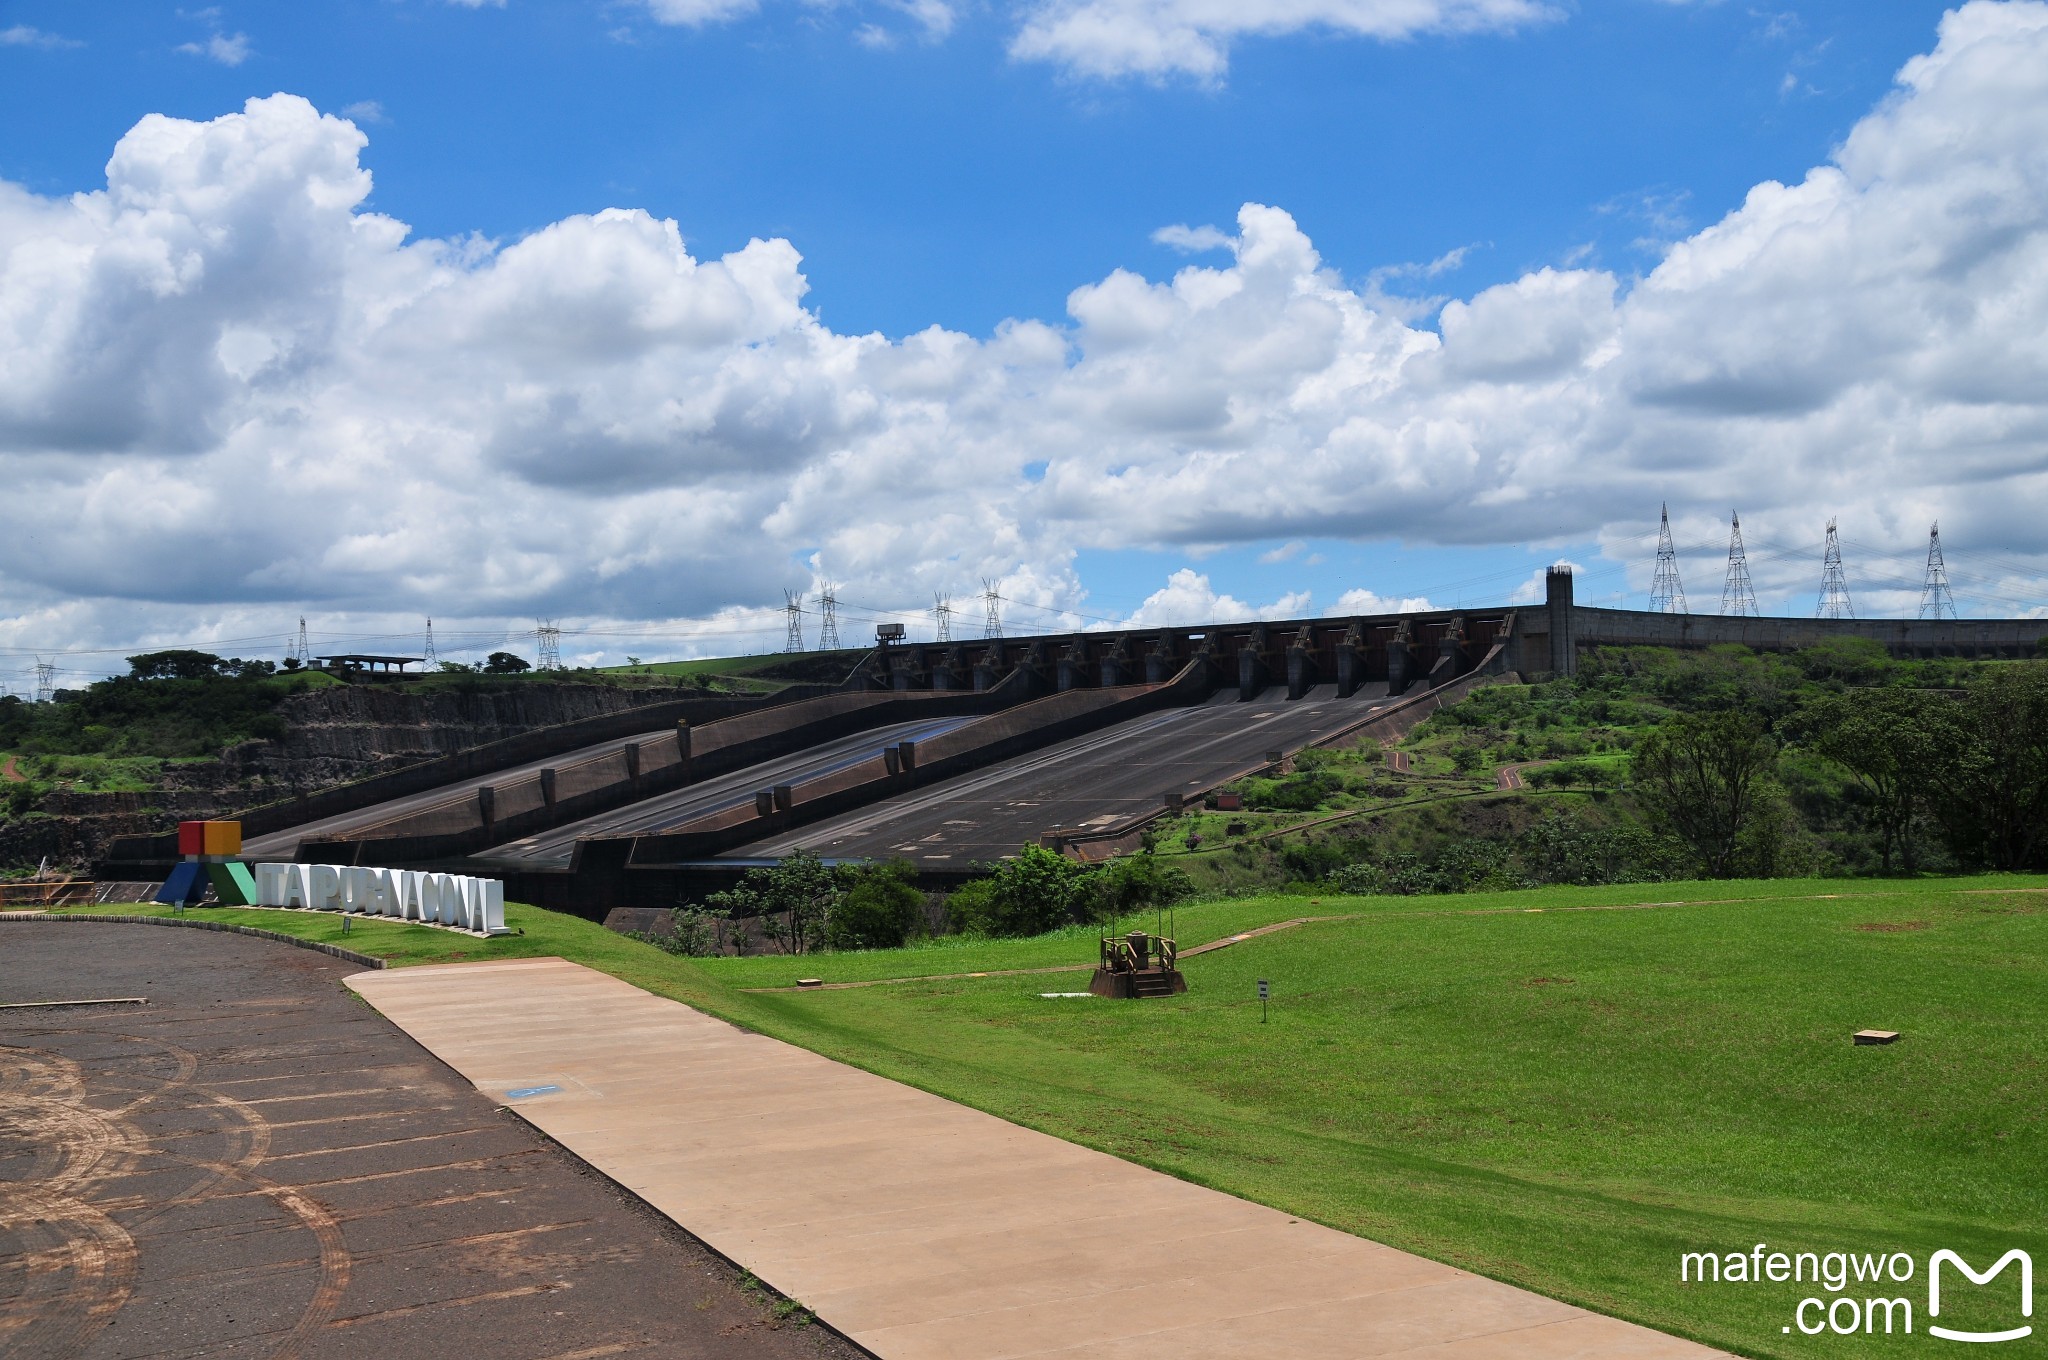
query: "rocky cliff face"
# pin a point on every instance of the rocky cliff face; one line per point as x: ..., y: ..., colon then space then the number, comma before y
x: 331, y: 736
x: 335, y: 735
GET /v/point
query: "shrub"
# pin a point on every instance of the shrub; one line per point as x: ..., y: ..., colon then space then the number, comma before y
x: 1302, y: 792
x: 1137, y: 882
x: 1035, y: 892
x: 1359, y: 880
x: 881, y: 908
x: 694, y: 932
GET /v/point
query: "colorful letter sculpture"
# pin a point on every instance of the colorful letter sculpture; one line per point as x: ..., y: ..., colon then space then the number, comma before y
x: 209, y: 849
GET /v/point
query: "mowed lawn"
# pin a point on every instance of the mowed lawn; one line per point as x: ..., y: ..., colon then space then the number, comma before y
x: 1566, y: 1089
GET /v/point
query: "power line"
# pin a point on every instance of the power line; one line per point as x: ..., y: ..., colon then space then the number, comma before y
x: 1834, y: 586
x: 1667, y: 595
x: 1935, y: 600
x: 1736, y: 595
x: 793, y: 640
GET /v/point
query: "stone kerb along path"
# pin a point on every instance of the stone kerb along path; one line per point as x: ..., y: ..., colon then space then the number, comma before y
x: 457, y: 901
x: 928, y: 1231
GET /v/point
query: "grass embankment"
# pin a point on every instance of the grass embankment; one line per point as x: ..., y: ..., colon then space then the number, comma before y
x: 1542, y: 1086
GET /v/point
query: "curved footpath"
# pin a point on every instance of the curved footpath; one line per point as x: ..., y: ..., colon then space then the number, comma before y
x: 920, y: 1228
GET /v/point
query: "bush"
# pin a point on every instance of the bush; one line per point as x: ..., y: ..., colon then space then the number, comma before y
x: 1035, y: 892
x: 1302, y: 792
x: 970, y: 906
x: 1137, y: 882
x: 694, y: 932
x: 880, y: 909
x: 1359, y: 880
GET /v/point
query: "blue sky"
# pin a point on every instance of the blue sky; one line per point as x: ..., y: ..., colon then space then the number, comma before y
x: 945, y: 182
x: 942, y: 179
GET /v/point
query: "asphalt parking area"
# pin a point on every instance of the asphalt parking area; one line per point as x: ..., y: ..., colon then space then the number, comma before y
x: 254, y: 1162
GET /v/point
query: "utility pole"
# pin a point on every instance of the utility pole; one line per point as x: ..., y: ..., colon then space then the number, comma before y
x: 550, y: 639
x: 1667, y: 596
x: 432, y: 658
x: 993, y: 626
x: 1736, y: 596
x: 1834, y: 586
x: 942, y: 613
x: 1935, y: 600
x: 793, y: 611
x: 46, y: 680
x: 828, y: 618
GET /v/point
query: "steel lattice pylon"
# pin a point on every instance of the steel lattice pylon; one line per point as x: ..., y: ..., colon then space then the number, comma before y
x: 1935, y: 600
x: 46, y: 681
x: 828, y: 618
x: 1667, y: 595
x: 942, y: 615
x: 992, y: 626
x: 793, y: 636
x: 432, y: 658
x: 550, y: 639
x: 1834, y: 587
x: 1736, y: 596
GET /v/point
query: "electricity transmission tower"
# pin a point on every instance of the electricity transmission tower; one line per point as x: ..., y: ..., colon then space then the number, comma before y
x: 793, y: 611
x: 432, y: 658
x: 942, y: 612
x: 550, y: 638
x: 1935, y: 600
x: 828, y: 618
x: 302, y: 650
x: 1834, y: 587
x: 1667, y: 596
x: 1736, y: 596
x: 46, y: 680
x: 993, y: 626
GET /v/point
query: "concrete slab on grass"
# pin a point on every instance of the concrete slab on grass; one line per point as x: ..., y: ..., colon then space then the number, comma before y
x: 928, y: 1231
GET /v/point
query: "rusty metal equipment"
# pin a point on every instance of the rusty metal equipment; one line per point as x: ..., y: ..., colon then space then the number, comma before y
x: 1140, y: 964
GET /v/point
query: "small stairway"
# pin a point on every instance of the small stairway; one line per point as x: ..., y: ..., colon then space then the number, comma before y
x: 1152, y: 982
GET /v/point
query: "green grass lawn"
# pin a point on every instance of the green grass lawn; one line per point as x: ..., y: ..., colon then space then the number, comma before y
x: 1542, y: 1086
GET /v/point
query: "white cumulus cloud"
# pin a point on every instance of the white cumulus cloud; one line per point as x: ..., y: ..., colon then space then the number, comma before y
x: 230, y: 394
x: 229, y: 49
x: 1156, y: 39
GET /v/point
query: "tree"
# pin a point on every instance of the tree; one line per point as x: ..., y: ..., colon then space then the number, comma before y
x: 1889, y: 741
x: 881, y: 907
x: 1699, y: 776
x: 1139, y: 882
x: 793, y: 900
x: 1993, y: 783
x: 1029, y: 894
x: 505, y: 663
x: 177, y: 664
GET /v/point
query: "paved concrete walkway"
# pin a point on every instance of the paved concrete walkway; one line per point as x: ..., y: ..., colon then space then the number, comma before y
x: 928, y: 1231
